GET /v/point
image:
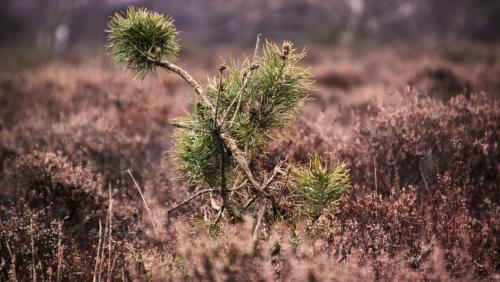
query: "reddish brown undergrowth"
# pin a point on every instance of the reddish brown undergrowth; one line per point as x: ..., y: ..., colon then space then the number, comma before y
x: 424, y: 164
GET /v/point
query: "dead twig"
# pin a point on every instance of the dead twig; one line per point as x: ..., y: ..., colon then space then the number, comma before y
x: 110, y: 228
x: 97, y: 259
x: 189, y: 128
x: 12, y: 271
x: 375, y: 171
x: 59, y: 252
x: 190, y: 198
x: 250, y: 201
x: 143, y: 201
x: 276, y: 170
x: 246, y: 79
x: 32, y: 241
x: 260, y: 215
x: 219, y: 215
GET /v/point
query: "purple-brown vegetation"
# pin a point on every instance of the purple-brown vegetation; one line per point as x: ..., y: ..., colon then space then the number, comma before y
x: 424, y: 161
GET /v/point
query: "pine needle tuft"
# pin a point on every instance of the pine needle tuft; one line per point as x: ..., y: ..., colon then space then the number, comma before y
x: 139, y: 37
x: 320, y: 187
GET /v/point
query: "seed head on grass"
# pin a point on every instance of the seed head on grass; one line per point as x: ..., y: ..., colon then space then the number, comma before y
x: 139, y: 37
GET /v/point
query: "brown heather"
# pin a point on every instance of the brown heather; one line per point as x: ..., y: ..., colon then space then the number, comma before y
x: 424, y: 163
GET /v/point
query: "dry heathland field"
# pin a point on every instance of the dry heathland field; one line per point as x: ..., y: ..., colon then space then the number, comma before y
x: 418, y: 126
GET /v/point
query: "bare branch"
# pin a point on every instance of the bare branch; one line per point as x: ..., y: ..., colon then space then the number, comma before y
x: 239, y: 186
x: 246, y: 77
x: 257, y: 46
x: 250, y: 201
x: 190, y: 198
x: 97, y: 259
x: 220, y: 89
x: 276, y: 170
x: 189, y: 128
x: 219, y: 215
x: 188, y: 78
x: 260, y: 215
x: 240, y: 158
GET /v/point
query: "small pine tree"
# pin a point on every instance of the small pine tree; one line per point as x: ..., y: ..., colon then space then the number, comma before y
x: 234, y: 116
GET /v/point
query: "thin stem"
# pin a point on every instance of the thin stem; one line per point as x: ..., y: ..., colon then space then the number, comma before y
x: 13, y: 275
x: 188, y: 78
x: 250, y: 201
x: 236, y: 188
x: 110, y: 224
x: 220, y: 89
x: 246, y: 79
x: 276, y: 170
x: 98, y: 253
x: 423, y: 178
x: 260, y: 215
x: 218, y: 217
x: 32, y: 249
x: 238, y: 96
x: 143, y: 201
x: 375, y: 172
x: 59, y: 252
x: 190, y: 198
x: 256, y: 50
x: 189, y: 128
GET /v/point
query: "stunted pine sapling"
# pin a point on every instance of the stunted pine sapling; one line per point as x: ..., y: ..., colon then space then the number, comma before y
x: 234, y: 115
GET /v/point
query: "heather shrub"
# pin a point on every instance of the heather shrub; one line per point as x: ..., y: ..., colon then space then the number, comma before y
x: 50, y: 208
x: 32, y: 244
x: 441, y: 83
x: 402, y: 225
x: 425, y: 172
x: 412, y: 144
x: 53, y: 213
x: 47, y: 181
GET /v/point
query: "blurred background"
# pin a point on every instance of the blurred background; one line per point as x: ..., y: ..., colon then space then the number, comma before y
x: 61, y: 25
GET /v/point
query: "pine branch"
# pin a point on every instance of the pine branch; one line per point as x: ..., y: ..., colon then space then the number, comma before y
x: 188, y: 78
x: 246, y: 78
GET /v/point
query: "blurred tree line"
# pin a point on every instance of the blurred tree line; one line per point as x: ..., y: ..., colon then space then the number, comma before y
x: 59, y: 24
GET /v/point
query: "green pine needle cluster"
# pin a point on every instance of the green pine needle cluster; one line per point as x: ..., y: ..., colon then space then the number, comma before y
x: 272, y: 99
x: 320, y: 187
x: 198, y: 150
x: 138, y: 36
x: 274, y: 96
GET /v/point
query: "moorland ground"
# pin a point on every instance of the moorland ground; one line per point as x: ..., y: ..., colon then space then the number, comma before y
x: 417, y: 124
